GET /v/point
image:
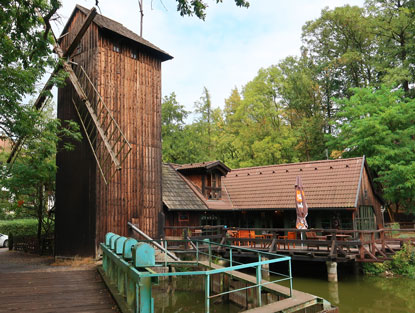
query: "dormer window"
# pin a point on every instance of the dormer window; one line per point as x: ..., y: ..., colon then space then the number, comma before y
x: 212, y: 186
x: 206, y: 177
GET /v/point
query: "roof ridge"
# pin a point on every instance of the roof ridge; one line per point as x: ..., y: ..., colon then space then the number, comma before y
x: 295, y: 163
x: 119, y: 29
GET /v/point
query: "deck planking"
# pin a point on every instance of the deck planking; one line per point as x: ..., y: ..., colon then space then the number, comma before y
x: 30, y: 284
x: 298, y: 299
x: 62, y: 291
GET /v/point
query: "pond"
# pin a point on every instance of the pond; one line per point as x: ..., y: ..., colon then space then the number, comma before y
x: 353, y: 293
x: 363, y: 294
x: 186, y: 294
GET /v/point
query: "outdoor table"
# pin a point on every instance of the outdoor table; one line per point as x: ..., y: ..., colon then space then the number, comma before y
x: 340, y: 237
x: 265, y: 243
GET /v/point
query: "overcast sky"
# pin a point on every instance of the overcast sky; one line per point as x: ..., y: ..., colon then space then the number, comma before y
x: 222, y: 52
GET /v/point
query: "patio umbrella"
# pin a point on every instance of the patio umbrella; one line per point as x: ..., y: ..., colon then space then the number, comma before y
x: 300, y: 205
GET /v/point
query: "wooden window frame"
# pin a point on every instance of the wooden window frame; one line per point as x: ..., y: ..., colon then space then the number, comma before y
x: 184, y: 214
x: 212, y: 186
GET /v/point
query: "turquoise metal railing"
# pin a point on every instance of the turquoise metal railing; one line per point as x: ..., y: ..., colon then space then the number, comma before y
x: 128, y: 264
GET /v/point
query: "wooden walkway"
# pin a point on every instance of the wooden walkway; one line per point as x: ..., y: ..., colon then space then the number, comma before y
x: 299, y: 299
x: 36, y: 286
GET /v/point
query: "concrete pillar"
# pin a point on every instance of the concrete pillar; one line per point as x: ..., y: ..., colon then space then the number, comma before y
x: 331, y: 271
x: 265, y: 269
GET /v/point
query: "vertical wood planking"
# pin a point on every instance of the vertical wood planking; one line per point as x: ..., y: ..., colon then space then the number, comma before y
x: 131, y: 88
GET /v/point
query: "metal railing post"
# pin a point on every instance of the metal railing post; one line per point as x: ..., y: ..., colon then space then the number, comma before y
x: 258, y: 280
x: 291, y: 278
x: 207, y: 293
x: 210, y: 255
x: 197, y: 251
x: 230, y: 257
x: 165, y: 253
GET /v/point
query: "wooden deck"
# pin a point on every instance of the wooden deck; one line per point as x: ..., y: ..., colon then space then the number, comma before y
x: 30, y: 284
x: 299, y: 299
x: 330, y: 245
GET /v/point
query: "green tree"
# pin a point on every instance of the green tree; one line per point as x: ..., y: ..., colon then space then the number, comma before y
x: 302, y: 102
x: 341, y: 46
x: 204, y: 123
x: 29, y: 182
x: 379, y: 124
x: 24, y: 58
x: 198, y: 7
x: 175, y: 134
x: 393, y: 24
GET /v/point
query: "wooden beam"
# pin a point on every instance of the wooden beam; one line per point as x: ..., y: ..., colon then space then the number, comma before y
x: 48, y: 86
x: 75, y: 42
x: 37, y: 105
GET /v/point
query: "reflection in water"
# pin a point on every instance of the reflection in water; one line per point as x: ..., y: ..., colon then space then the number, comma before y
x: 334, y: 292
x: 360, y: 294
x: 352, y: 294
x: 186, y: 294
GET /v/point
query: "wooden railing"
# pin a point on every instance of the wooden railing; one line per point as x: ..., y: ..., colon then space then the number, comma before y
x: 359, y: 245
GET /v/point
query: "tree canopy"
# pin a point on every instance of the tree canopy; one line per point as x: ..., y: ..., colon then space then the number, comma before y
x: 198, y: 7
x: 349, y: 93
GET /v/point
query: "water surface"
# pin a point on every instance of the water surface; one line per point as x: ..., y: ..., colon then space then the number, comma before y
x: 352, y: 294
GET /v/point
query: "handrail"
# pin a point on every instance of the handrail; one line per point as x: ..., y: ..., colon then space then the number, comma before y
x: 132, y: 282
x: 135, y: 228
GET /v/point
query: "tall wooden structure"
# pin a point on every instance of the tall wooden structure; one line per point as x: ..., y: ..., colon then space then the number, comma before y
x: 113, y: 176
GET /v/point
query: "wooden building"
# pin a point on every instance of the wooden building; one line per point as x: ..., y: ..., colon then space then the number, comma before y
x: 339, y: 193
x: 121, y: 75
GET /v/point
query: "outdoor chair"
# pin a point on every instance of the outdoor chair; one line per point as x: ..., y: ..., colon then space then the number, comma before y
x: 243, y: 234
x: 255, y: 236
x: 313, y: 236
x: 290, y: 236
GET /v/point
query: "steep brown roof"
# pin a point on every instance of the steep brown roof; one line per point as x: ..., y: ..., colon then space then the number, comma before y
x: 327, y: 184
x: 109, y: 24
x: 177, y: 194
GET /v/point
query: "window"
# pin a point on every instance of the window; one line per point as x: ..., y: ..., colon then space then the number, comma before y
x: 116, y: 48
x: 212, y: 186
x: 184, y: 217
x: 365, y: 219
x: 134, y: 55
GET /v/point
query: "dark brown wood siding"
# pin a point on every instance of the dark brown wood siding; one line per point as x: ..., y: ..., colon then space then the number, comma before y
x: 75, y: 178
x: 87, y: 208
x: 131, y: 89
x: 367, y: 197
x: 196, y: 179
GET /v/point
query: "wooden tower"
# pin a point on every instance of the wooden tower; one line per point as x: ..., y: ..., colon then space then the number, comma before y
x: 113, y: 176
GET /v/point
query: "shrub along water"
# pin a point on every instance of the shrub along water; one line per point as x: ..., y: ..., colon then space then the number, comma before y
x: 402, y: 263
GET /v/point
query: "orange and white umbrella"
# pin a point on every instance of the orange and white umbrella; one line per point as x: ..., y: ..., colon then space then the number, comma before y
x: 300, y: 205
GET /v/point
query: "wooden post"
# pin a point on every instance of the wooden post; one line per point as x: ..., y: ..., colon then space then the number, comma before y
x: 361, y: 248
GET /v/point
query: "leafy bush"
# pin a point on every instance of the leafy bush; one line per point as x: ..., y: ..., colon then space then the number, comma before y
x: 373, y: 268
x: 23, y: 227
x: 402, y: 263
